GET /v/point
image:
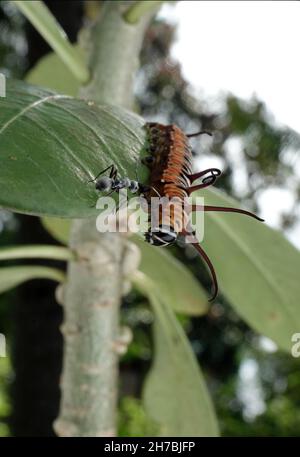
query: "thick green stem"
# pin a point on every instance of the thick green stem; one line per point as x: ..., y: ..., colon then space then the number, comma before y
x: 115, y: 58
x: 97, y: 280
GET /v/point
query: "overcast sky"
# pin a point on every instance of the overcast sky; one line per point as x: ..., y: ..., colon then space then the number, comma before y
x: 247, y: 48
x: 244, y: 47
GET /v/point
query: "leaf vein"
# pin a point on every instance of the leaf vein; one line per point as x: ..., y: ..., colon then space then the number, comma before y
x: 31, y: 106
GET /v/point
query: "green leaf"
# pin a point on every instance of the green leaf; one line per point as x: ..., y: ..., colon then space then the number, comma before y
x: 174, y: 283
x: 51, y: 72
x: 257, y: 268
x: 58, y: 228
x: 46, y: 24
x: 11, y: 277
x: 175, y: 394
x: 52, y: 145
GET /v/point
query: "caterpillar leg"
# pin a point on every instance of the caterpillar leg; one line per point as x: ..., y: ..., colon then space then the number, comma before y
x: 202, y: 132
x: 207, y: 181
x: 214, y: 172
x: 207, y: 262
x: 225, y: 209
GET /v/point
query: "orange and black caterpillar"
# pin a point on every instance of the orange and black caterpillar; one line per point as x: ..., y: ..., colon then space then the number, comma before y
x: 171, y: 176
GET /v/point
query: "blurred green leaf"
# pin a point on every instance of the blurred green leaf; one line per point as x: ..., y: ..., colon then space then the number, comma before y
x: 58, y: 228
x: 257, y: 268
x: 51, y: 146
x: 5, y: 404
x: 174, y: 283
x: 175, y: 394
x: 132, y: 420
x: 11, y: 277
x: 38, y: 251
x: 51, y: 72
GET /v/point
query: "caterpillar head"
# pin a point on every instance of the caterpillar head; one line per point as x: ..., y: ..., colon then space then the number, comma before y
x: 161, y: 236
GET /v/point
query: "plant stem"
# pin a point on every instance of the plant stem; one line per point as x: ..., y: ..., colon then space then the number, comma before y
x: 43, y: 20
x: 96, y: 280
x: 115, y: 58
x: 135, y: 12
x: 36, y: 251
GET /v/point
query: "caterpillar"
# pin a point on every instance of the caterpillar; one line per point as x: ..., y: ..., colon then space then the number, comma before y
x: 169, y: 161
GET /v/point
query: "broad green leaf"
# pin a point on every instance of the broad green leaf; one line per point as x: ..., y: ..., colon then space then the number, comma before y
x: 175, y: 394
x: 58, y: 228
x: 52, y: 145
x: 51, y: 72
x: 174, y: 283
x: 11, y: 277
x: 257, y: 268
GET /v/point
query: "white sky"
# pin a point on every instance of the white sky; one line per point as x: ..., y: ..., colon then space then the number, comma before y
x: 247, y: 48
x: 244, y: 47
